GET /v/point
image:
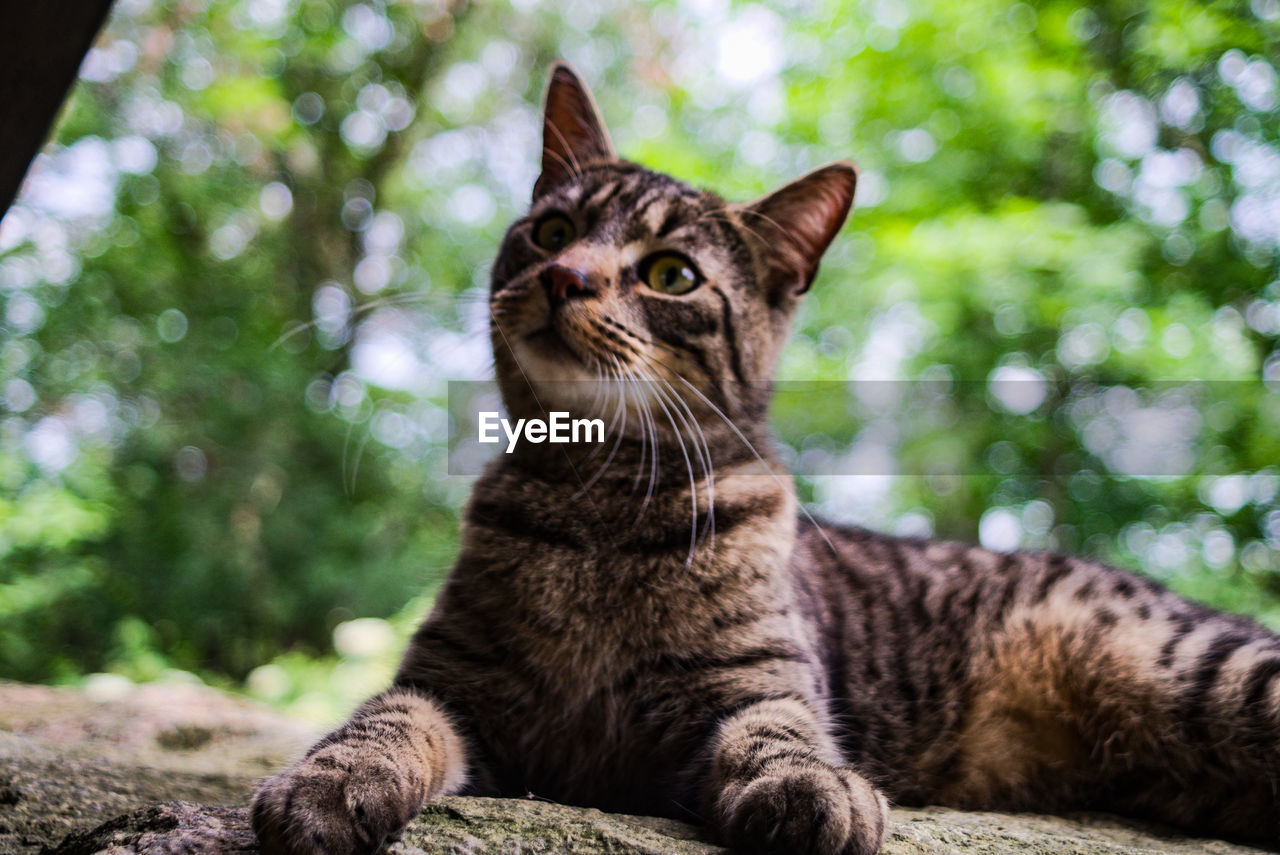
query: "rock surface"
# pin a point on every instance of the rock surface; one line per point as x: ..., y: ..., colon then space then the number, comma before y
x: 74, y: 759
x: 168, y: 769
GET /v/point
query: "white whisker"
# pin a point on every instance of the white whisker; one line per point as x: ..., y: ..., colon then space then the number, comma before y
x: 704, y: 451
x: 355, y: 313
x: 688, y: 463
x: 620, y: 412
x: 741, y: 436
x: 533, y: 392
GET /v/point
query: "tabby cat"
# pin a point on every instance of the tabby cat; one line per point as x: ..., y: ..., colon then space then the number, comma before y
x: 625, y: 631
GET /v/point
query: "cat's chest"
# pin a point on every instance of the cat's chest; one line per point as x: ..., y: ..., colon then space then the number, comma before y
x: 570, y: 611
x: 595, y: 613
x: 574, y: 623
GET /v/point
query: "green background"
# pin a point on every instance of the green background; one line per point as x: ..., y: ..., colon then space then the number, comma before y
x: 242, y: 273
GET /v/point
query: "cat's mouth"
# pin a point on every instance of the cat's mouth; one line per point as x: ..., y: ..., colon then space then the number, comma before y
x: 563, y: 338
x: 549, y: 341
x: 560, y: 346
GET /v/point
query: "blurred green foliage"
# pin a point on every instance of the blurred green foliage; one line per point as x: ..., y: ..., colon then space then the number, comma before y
x: 238, y: 279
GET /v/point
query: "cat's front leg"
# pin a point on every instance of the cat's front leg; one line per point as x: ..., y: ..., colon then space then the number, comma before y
x: 778, y: 785
x: 358, y: 787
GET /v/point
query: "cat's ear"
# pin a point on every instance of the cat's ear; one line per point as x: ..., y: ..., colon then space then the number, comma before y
x: 573, y: 134
x: 798, y: 223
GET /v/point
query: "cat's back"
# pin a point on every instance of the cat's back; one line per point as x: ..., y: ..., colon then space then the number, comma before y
x: 896, y: 618
x: 935, y: 649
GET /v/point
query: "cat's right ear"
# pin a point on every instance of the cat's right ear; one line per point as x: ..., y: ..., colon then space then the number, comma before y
x: 573, y: 134
x: 797, y: 223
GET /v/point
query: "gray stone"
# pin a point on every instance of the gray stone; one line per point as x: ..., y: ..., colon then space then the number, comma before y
x: 168, y: 769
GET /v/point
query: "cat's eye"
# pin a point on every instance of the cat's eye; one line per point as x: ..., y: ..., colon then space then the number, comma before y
x: 554, y: 232
x: 670, y: 273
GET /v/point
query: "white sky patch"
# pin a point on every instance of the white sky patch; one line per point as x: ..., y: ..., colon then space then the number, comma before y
x: 372, y: 273
x: 1180, y: 104
x: 391, y: 428
x: 231, y: 238
x: 649, y: 121
x: 435, y: 157
x: 1128, y: 124
x: 749, y: 48
x: 1083, y: 345
x: 459, y: 356
x: 51, y: 444
x: 455, y: 95
x: 368, y: 26
x: 18, y: 272
x: 362, y: 130
x: 1227, y: 494
x: 15, y: 227
x: 275, y: 201
x: 1113, y: 175
x: 472, y: 204
x: 384, y: 234
x: 146, y: 113
x: 332, y: 309
x: 855, y: 499
x: 511, y: 146
x: 1253, y: 79
x: 1018, y: 389
x: 363, y: 638
x: 894, y: 336
x: 134, y: 154
x: 103, y: 64
x: 705, y: 10
x: 758, y: 147
x: 872, y: 189
x: 1255, y: 167
x: 893, y: 14
x: 917, y: 523
x: 1000, y: 530
x: 269, y: 15
x: 858, y: 482
x: 915, y: 145
x: 19, y: 395
x: 386, y: 359
x: 1218, y: 548
x: 24, y: 313
x: 1177, y: 168
x: 77, y: 182
x: 1140, y: 438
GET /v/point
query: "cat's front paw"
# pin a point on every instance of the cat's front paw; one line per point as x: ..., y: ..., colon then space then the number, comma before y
x: 331, y: 803
x: 809, y: 809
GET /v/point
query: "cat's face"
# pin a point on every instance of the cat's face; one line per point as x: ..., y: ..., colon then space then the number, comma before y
x: 621, y: 273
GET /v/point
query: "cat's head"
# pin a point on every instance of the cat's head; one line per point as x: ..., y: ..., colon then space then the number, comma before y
x: 617, y: 271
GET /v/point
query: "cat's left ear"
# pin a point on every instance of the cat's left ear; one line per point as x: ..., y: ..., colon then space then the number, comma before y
x: 799, y: 222
x: 573, y: 134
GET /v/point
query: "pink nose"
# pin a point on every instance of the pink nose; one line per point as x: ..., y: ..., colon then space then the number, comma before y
x: 565, y: 283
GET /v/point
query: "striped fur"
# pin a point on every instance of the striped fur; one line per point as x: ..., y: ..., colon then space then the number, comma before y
x: 648, y: 626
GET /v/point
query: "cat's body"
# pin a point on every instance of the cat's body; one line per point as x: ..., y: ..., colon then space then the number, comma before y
x: 650, y: 626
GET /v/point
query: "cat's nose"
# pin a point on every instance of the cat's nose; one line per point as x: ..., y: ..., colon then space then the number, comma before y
x: 565, y: 283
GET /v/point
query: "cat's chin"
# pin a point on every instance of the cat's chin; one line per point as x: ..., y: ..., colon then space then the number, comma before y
x: 548, y: 354
x: 547, y: 345
x: 553, y: 366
